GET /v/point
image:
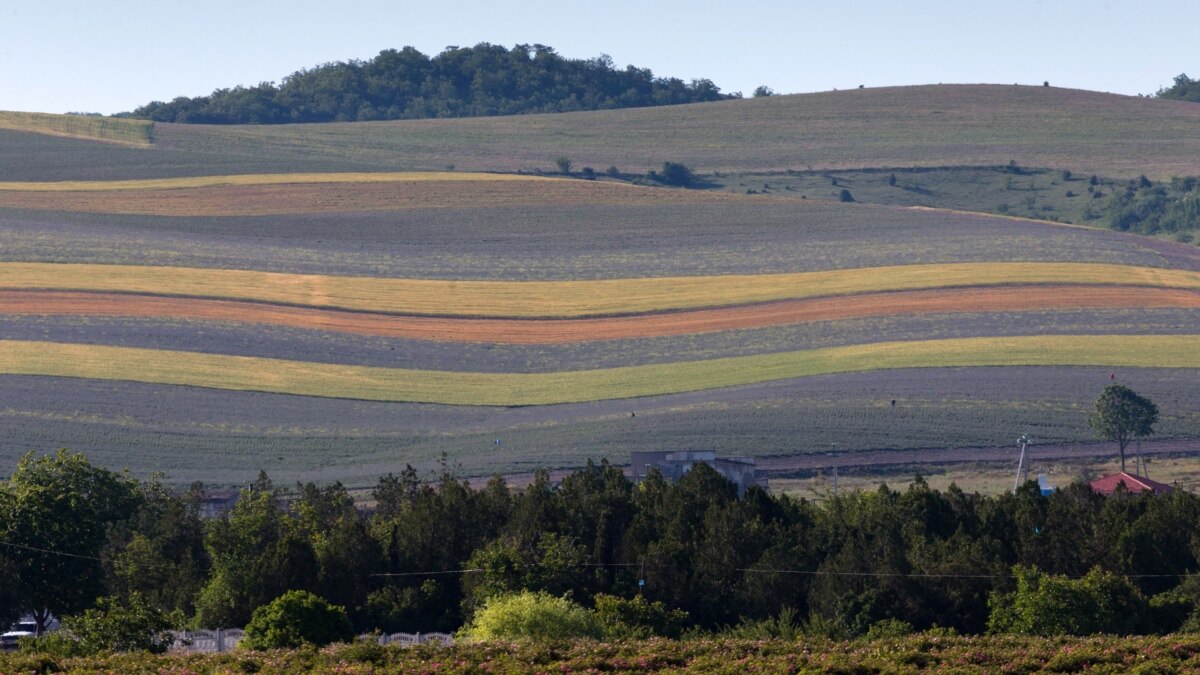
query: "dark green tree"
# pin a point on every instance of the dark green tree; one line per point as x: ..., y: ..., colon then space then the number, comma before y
x: 55, y: 512
x: 259, y: 551
x: 1121, y: 414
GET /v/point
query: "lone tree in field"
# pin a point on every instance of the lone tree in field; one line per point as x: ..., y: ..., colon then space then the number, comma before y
x: 564, y: 165
x: 1121, y: 415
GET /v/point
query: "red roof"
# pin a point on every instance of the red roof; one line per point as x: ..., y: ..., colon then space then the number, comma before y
x: 1108, y: 484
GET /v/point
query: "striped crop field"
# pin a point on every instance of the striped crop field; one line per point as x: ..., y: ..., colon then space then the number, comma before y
x: 531, y: 299
x: 526, y: 389
x: 332, y: 193
x: 331, y: 302
x: 560, y: 331
x: 108, y: 129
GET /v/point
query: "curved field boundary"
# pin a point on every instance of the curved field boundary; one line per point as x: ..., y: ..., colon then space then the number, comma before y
x: 341, y: 197
x: 561, y: 331
x: 520, y: 389
x: 262, y: 179
x: 107, y: 129
x: 535, y: 299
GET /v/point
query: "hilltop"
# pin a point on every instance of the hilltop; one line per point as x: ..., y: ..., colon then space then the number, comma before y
x: 459, y: 82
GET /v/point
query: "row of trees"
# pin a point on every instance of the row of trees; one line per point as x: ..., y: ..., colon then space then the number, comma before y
x: 427, y: 555
x: 459, y: 82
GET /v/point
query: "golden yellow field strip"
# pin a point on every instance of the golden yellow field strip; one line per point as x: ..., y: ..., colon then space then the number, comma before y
x: 519, y: 389
x: 578, y: 298
x: 263, y: 179
x: 109, y: 129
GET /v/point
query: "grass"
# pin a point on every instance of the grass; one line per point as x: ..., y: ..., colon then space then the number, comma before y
x: 985, y: 478
x: 226, y: 437
x: 112, y: 130
x: 525, y: 389
x: 377, y: 192
x: 261, y: 179
x: 1026, y: 192
x: 972, y: 125
x: 563, y: 298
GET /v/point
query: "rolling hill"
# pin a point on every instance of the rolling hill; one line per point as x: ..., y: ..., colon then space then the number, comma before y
x: 330, y: 302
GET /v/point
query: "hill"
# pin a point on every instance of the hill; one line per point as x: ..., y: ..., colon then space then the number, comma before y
x: 894, y: 127
x: 298, y: 299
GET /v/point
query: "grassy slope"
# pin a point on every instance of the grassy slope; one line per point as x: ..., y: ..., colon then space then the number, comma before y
x: 950, y: 125
x: 108, y: 129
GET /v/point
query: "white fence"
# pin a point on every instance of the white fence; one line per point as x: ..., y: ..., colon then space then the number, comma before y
x: 210, y: 641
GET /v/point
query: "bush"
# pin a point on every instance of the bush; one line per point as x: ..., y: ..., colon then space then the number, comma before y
x: 532, y: 616
x: 637, y: 618
x: 845, y: 196
x: 1100, y: 602
x: 674, y: 173
x: 297, y: 618
x: 114, y: 625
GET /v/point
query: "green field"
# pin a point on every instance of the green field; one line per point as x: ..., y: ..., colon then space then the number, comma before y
x: 532, y: 389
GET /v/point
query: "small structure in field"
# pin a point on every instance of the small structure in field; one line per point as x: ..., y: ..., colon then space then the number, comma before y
x: 741, y: 471
x: 218, y: 502
x: 1107, y: 485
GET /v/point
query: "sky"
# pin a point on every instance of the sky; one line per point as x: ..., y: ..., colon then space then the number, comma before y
x: 112, y: 56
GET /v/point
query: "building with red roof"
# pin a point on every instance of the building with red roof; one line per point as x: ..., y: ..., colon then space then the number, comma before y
x: 1108, y: 484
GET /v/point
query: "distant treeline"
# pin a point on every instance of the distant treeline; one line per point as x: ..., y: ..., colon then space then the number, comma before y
x: 460, y: 82
x: 428, y: 554
x: 1184, y: 89
x: 1147, y: 207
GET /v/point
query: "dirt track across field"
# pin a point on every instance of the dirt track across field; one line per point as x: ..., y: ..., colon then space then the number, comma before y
x: 802, y: 464
x: 560, y: 331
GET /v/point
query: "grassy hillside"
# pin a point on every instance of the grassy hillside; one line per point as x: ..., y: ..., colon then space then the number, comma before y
x: 112, y: 130
x: 298, y: 299
x: 923, y: 126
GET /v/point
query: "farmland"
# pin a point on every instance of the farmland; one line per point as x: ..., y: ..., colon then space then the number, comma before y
x: 334, y: 301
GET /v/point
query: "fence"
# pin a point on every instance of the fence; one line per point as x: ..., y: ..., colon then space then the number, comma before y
x: 210, y: 641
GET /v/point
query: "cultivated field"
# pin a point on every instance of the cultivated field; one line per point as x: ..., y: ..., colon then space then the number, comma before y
x: 564, y: 298
x: 335, y: 301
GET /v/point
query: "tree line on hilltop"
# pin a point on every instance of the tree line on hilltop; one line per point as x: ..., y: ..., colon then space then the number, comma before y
x: 459, y: 82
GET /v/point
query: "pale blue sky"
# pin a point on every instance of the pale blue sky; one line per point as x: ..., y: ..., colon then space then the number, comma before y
x: 113, y: 55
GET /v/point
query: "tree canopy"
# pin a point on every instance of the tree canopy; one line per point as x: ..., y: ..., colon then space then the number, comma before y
x: 1184, y: 89
x: 459, y: 82
x: 1121, y: 415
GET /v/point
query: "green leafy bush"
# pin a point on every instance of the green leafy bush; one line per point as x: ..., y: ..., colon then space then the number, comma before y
x: 1100, y: 602
x: 532, y: 616
x: 114, y: 625
x: 638, y: 618
x: 297, y: 618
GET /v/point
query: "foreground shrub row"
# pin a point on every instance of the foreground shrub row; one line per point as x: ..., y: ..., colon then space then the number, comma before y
x: 915, y: 653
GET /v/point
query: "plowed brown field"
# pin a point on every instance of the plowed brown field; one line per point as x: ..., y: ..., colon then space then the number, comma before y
x: 259, y: 200
x: 558, y: 331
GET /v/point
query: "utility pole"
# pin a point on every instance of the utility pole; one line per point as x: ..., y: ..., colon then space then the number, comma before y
x: 1022, y: 441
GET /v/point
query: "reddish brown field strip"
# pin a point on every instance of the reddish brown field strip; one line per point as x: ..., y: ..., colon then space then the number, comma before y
x: 259, y: 200
x: 526, y: 331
